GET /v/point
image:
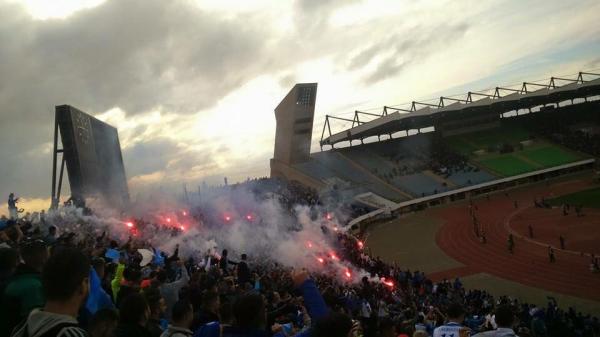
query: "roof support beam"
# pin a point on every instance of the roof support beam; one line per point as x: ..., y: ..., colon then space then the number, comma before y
x: 497, y: 91
x: 442, y: 98
x: 327, y: 126
x: 397, y: 109
x: 366, y: 113
x: 524, y: 87
x: 552, y: 84
x: 413, y: 106
x: 581, y: 73
x: 471, y: 93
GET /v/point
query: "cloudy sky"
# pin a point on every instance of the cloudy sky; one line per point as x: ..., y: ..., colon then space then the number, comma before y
x: 191, y: 85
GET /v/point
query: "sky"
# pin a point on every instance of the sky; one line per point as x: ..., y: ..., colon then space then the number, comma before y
x: 191, y: 85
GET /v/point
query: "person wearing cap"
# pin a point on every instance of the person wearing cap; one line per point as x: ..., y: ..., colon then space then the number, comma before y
x: 456, y: 315
x: 505, y: 318
x: 23, y: 292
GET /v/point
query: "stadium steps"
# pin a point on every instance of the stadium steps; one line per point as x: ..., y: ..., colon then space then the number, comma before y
x: 483, y: 168
x: 440, y: 179
x: 342, y: 168
x: 375, y: 177
x: 419, y: 184
x: 462, y: 178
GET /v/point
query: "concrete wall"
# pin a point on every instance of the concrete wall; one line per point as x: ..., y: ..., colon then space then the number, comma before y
x: 283, y: 170
x: 294, y: 116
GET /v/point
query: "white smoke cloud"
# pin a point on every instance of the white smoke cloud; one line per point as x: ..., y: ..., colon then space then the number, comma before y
x: 261, y: 225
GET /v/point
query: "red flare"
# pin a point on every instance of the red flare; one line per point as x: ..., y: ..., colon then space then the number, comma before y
x: 309, y: 244
x: 320, y: 260
x: 328, y: 216
x: 387, y: 283
x: 227, y: 218
x: 184, y: 213
x: 333, y: 256
x: 129, y: 224
x: 348, y: 275
x: 169, y: 220
x: 360, y: 244
x: 249, y: 217
x: 182, y: 228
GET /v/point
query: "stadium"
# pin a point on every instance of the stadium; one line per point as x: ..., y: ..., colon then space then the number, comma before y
x: 448, y: 181
x: 469, y: 213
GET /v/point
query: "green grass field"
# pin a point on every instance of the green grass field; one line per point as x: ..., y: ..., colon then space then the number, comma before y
x: 587, y: 198
x: 549, y: 156
x: 507, y: 165
x: 537, y: 155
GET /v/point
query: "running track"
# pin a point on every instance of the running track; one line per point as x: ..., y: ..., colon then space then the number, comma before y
x: 529, y: 265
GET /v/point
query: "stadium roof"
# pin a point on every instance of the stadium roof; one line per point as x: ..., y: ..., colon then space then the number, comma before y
x: 421, y: 115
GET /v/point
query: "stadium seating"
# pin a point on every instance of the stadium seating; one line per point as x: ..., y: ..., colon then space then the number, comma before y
x: 329, y: 164
x: 419, y: 184
x: 424, y: 164
x: 464, y: 178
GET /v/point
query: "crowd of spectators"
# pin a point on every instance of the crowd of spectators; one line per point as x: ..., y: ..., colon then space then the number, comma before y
x: 445, y: 161
x: 59, y: 282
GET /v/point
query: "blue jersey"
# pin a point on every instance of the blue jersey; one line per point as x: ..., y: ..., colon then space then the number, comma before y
x: 451, y: 330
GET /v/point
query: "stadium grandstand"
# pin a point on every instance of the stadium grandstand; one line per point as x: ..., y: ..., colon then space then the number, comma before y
x: 449, y: 145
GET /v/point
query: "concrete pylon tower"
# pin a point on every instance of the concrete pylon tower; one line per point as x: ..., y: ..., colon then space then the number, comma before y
x: 294, y: 116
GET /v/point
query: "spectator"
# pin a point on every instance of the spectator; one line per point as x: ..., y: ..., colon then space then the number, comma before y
x: 115, y: 283
x: 157, y: 310
x: 130, y: 284
x: 103, y: 323
x: 387, y: 328
x: 65, y: 284
x: 538, y: 326
x: 456, y: 316
x: 243, y: 271
x: 23, y: 292
x: 504, y: 319
x: 333, y: 325
x: 213, y: 329
x: 50, y: 239
x: 224, y: 262
x: 181, y: 317
x: 170, y: 291
x: 134, y: 315
x: 9, y: 260
x: 249, y: 317
x: 209, y: 311
x: 12, y: 206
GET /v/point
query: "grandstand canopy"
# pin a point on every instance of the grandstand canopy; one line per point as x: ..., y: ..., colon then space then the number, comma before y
x: 422, y: 115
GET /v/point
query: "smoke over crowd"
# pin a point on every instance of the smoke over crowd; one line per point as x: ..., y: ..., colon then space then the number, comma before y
x: 294, y: 230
